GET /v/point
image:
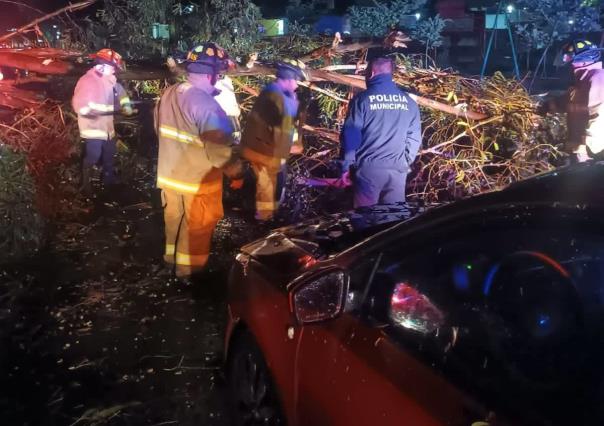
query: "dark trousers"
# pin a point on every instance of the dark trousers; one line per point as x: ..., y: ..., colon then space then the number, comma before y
x: 373, y: 185
x: 103, y: 152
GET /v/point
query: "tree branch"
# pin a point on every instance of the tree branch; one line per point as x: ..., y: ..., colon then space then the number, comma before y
x: 70, y: 8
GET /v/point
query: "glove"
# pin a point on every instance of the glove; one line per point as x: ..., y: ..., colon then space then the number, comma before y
x: 236, y: 184
x: 129, y: 111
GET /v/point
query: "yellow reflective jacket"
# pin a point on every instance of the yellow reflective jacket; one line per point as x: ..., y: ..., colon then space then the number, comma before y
x: 94, y: 100
x: 194, y: 140
x: 270, y: 127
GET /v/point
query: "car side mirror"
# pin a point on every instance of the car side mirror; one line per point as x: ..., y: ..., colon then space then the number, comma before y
x: 412, y: 310
x: 321, y: 298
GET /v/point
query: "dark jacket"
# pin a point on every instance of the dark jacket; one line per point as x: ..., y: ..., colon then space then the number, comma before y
x: 270, y: 126
x: 382, y: 129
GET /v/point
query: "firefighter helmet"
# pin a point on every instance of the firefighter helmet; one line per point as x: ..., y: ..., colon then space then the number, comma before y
x: 208, y: 58
x: 579, y: 51
x: 109, y: 57
x: 291, y: 69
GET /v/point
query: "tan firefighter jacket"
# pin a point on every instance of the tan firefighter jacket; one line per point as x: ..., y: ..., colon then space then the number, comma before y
x: 94, y: 100
x: 194, y: 140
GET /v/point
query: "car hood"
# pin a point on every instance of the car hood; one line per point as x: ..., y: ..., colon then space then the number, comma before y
x: 290, y: 249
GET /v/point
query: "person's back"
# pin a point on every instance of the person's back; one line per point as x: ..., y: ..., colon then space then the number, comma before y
x: 190, y: 115
x: 194, y: 151
x: 270, y: 126
x: 269, y: 136
x: 380, y: 138
x: 389, y: 118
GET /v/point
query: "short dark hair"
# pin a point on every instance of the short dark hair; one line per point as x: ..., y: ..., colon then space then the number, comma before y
x: 381, y: 66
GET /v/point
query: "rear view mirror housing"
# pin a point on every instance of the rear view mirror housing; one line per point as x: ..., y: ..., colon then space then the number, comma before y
x: 322, y: 298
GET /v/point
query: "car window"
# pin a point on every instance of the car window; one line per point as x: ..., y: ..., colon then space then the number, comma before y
x: 503, y: 312
x: 361, y: 274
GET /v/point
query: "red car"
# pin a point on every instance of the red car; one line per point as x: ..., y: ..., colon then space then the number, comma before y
x: 488, y: 311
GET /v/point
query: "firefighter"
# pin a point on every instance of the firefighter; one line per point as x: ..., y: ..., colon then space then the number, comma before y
x: 97, y: 97
x: 380, y: 138
x: 195, y: 148
x: 270, y: 135
x: 583, y: 102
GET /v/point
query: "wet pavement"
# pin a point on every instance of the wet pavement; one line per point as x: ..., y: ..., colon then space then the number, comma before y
x: 94, y: 331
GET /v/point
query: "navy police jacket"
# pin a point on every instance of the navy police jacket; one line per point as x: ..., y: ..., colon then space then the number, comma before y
x: 382, y: 129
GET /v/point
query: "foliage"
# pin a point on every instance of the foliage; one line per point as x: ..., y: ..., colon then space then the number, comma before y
x: 429, y: 32
x: 127, y: 24
x: 233, y: 24
x: 378, y: 19
x: 549, y: 21
x: 21, y: 227
x: 459, y: 157
x: 298, y: 11
x: 298, y: 41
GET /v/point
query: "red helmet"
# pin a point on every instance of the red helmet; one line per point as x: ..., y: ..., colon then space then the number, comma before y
x: 109, y: 57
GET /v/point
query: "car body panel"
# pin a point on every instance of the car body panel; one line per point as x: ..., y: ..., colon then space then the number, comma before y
x: 325, y: 372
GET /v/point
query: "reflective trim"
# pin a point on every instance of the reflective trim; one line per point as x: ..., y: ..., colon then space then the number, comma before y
x: 125, y: 100
x: 170, y: 249
x: 101, y: 107
x: 94, y: 134
x: 179, y: 135
x: 191, y: 259
x: 191, y: 188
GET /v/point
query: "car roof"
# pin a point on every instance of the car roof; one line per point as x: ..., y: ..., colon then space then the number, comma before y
x: 580, y: 184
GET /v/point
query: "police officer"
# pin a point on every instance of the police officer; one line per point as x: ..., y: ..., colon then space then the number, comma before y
x: 380, y: 138
x: 584, y: 101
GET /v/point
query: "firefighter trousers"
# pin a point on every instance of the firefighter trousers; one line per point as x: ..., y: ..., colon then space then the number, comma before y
x: 190, y: 220
x: 269, y: 183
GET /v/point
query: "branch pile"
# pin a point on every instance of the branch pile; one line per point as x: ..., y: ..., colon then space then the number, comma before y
x: 478, y: 135
x: 46, y: 137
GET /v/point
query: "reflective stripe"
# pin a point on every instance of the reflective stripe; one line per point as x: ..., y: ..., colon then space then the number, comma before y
x: 170, y: 249
x: 179, y: 135
x: 256, y: 157
x: 125, y: 100
x: 192, y: 188
x: 94, y: 134
x: 191, y: 259
x: 101, y: 107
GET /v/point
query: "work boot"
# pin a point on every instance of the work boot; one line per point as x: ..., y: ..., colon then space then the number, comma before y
x: 86, y: 182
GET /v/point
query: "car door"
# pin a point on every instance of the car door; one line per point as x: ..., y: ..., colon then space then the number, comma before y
x: 349, y: 371
x: 455, y: 329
